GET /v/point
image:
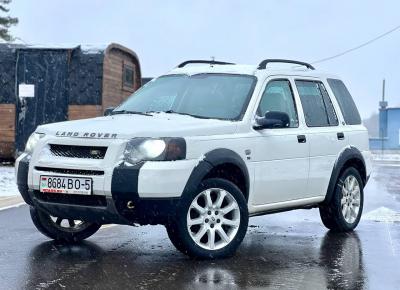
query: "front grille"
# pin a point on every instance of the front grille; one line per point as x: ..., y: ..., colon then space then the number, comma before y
x: 72, y: 151
x: 70, y: 171
x: 88, y: 200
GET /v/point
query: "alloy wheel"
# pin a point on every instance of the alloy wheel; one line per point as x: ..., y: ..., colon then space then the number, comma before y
x: 351, y: 199
x: 213, y: 218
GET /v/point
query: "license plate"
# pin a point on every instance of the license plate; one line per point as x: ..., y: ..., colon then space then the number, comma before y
x: 69, y: 185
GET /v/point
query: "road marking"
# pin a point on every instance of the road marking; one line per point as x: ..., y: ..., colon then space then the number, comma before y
x: 390, y: 239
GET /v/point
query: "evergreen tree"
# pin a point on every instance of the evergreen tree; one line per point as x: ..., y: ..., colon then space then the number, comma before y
x: 6, y: 21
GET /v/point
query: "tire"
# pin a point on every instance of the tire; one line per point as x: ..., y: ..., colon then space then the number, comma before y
x: 56, y: 231
x: 226, y: 212
x: 339, y: 219
x: 173, y: 236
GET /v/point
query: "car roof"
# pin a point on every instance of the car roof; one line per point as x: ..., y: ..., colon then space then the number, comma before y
x: 295, y: 70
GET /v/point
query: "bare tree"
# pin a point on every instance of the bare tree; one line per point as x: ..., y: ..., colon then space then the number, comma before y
x: 6, y: 21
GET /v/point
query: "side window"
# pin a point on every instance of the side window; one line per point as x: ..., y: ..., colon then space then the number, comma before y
x: 317, y: 106
x: 278, y: 96
x: 128, y: 77
x: 333, y: 120
x: 346, y: 103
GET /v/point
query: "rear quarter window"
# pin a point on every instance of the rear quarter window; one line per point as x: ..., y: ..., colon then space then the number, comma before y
x: 346, y: 102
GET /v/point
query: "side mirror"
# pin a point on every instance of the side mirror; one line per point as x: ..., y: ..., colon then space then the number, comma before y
x: 108, y: 111
x: 273, y: 119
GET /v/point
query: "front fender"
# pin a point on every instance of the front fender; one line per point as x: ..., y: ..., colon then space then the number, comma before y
x: 211, y: 160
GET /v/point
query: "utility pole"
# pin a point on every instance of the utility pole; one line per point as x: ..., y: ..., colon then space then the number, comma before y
x: 382, y: 119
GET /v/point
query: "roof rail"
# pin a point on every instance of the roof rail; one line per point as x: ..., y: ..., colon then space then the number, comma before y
x: 211, y: 62
x: 264, y: 63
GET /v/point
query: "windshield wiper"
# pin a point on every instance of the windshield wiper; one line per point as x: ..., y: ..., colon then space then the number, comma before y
x: 178, y: 113
x: 185, y: 114
x: 130, y: 112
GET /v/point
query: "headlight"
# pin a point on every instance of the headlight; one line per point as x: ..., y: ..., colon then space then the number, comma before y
x: 146, y: 149
x: 32, y: 141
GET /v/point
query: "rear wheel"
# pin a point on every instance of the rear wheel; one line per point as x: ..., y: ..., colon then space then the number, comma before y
x: 60, y: 229
x: 211, y: 222
x: 344, y: 211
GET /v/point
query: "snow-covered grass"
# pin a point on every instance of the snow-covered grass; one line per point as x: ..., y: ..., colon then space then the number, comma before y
x: 7, y: 181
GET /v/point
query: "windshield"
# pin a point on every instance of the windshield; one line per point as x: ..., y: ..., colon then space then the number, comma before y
x: 219, y: 96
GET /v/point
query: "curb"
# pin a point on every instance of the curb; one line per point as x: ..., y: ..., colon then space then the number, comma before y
x: 10, y: 202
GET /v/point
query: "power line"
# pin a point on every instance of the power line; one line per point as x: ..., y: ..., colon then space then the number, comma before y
x: 358, y: 46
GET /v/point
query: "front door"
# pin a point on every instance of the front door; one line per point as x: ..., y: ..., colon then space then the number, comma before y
x: 47, y: 70
x: 281, y: 154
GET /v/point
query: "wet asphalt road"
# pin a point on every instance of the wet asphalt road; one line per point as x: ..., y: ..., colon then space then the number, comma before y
x: 283, y: 251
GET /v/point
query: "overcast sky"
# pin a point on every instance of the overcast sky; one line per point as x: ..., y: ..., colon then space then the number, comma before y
x: 164, y: 33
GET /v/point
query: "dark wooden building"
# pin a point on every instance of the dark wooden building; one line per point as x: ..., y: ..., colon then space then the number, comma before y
x: 45, y: 84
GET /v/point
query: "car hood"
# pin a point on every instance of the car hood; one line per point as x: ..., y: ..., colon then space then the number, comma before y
x: 131, y: 125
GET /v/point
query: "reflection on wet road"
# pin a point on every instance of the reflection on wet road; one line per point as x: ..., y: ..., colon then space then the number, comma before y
x: 276, y: 263
x: 283, y: 251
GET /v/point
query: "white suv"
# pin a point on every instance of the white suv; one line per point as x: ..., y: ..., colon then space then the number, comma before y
x: 200, y: 150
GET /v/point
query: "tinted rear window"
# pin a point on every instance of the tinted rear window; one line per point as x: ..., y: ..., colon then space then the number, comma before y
x: 317, y: 106
x: 346, y: 102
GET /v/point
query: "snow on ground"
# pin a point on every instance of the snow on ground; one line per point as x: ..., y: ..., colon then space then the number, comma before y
x: 382, y: 214
x: 7, y: 181
x: 386, y: 157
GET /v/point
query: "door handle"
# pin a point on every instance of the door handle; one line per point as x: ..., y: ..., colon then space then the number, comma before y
x: 340, y: 135
x: 301, y: 138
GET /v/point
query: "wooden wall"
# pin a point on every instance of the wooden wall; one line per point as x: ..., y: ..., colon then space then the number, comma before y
x: 7, y: 130
x: 76, y: 112
x: 113, y: 90
x: 113, y: 93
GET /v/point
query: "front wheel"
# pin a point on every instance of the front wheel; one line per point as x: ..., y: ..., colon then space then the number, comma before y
x: 211, y: 222
x: 59, y: 229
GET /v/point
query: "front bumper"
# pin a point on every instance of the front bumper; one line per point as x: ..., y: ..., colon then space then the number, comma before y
x: 103, y: 208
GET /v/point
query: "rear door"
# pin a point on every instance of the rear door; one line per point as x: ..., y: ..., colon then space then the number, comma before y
x: 355, y: 133
x: 325, y: 135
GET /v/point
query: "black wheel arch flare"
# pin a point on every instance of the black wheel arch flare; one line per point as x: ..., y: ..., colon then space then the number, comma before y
x: 22, y: 180
x: 211, y: 160
x: 349, y: 154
